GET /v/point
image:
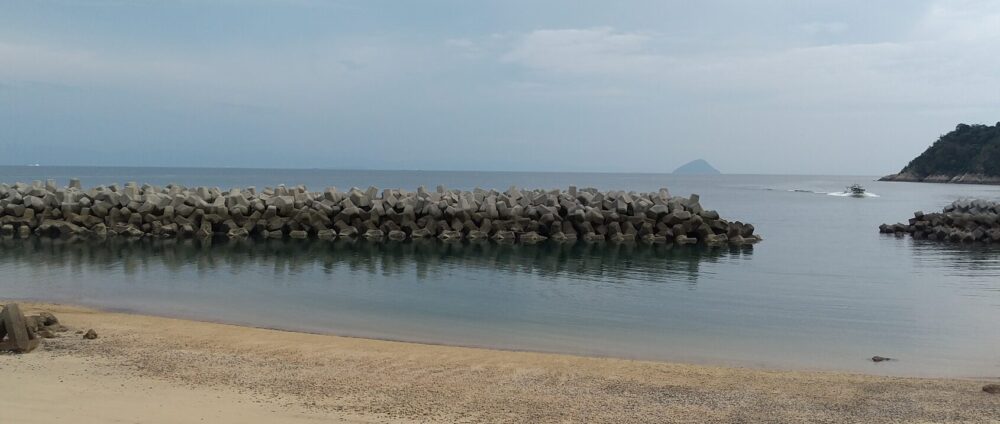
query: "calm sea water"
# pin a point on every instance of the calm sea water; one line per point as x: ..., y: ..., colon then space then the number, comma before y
x: 824, y: 290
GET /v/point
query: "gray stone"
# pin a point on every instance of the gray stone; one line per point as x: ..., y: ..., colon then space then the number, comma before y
x: 450, y: 235
x: 683, y: 239
x: 532, y: 237
x: 504, y: 235
x: 374, y: 234
x: 14, y: 325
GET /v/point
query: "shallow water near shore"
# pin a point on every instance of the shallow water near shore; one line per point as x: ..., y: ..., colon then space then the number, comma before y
x: 824, y: 290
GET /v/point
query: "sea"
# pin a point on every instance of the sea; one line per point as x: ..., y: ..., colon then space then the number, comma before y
x: 823, y: 290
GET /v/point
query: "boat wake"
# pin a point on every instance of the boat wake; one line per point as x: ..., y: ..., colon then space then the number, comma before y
x: 848, y: 194
x: 828, y: 193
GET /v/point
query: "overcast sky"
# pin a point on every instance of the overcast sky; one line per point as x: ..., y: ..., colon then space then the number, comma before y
x: 764, y: 86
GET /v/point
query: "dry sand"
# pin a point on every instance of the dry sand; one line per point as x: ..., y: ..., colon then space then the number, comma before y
x: 146, y: 369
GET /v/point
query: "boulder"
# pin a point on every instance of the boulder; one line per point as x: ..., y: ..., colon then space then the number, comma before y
x: 14, y: 327
x: 709, y: 215
x: 420, y: 233
x: 654, y: 238
x: 532, y: 237
x: 678, y: 217
x: 716, y: 239
x: 46, y: 318
x: 683, y: 239
x: 504, y: 235
x: 374, y: 234
x: 450, y: 235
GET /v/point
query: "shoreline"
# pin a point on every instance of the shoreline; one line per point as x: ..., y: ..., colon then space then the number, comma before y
x: 967, y: 179
x: 262, y: 375
x: 881, y: 370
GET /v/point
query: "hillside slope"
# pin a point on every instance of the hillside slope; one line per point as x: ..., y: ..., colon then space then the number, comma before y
x: 697, y: 167
x: 970, y: 154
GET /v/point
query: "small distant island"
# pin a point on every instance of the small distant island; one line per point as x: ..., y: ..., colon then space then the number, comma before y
x: 697, y: 167
x: 968, y: 155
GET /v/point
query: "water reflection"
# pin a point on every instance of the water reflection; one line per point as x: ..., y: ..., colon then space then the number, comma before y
x: 605, y: 262
x: 976, y: 264
x: 971, y: 259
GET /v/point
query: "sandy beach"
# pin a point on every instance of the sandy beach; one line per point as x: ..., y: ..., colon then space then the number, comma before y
x: 160, y: 370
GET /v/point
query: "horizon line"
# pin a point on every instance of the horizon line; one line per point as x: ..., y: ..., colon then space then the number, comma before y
x: 421, y: 170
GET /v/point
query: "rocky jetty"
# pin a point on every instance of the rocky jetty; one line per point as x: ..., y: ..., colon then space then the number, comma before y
x: 526, y: 216
x: 961, y: 221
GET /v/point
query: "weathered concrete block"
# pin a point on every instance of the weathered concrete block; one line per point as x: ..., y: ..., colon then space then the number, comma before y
x: 515, y: 214
x: 532, y: 237
x: 19, y: 338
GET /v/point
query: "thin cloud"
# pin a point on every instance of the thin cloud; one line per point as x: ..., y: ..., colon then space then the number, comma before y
x: 961, y: 20
x: 815, y: 28
x: 588, y: 50
x: 951, y: 69
x: 378, y: 86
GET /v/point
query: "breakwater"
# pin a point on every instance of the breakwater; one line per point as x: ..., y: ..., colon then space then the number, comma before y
x: 514, y: 215
x: 962, y: 221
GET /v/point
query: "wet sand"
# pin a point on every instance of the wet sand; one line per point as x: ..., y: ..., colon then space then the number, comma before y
x: 161, y: 370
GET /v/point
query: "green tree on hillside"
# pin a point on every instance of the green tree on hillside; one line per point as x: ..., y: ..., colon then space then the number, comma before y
x: 969, y: 149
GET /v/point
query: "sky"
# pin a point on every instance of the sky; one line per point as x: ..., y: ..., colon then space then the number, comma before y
x: 760, y: 87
